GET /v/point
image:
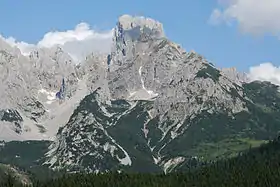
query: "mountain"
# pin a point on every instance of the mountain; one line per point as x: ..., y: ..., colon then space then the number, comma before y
x: 148, y: 106
x: 256, y: 167
x: 29, y: 107
x: 165, y: 107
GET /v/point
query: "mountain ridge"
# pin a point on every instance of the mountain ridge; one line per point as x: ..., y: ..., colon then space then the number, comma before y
x: 147, y: 106
x: 189, y: 95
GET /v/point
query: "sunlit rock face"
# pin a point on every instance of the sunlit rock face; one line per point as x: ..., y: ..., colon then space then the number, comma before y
x: 147, y: 92
x: 146, y: 106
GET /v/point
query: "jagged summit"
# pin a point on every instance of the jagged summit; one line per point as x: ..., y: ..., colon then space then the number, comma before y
x: 134, y: 29
x: 7, y: 48
x: 128, y: 33
x: 128, y: 22
x: 234, y: 75
x: 152, y: 108
x: 4, y: 45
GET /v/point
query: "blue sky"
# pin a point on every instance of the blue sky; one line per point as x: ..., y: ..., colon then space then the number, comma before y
x: 226, y: 41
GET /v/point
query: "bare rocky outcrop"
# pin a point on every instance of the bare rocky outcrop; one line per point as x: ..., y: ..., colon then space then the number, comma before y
x: 145, y: 65
x: 28, y: 85
x: 156, y: 83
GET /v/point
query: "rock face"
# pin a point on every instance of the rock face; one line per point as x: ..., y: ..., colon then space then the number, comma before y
x: 147, y: 106
x: 154, y: 107
x: 29, y: 85
x: 51, y: 66
x: 154, y: 67
x: 88, y: 139
x: 235, y: 76
x: 128, y: 33
x: 12, y: 117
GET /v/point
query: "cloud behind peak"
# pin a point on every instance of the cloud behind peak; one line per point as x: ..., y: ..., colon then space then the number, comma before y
x: 78, y: 42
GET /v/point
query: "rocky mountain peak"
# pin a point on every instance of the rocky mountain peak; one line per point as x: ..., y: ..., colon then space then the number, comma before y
x: 4, y: 45
x: 129, y: 32
x: 235, y: 75
x: 8, y: 52
x: 148, y: 104
x: 148, y: 25
x: 29, y: 85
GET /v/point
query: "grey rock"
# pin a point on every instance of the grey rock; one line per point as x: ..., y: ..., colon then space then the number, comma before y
x: 140, y: 104
x: 144, y: 65
x: 235, y: 76
x: 29, y: 83
x: 156, y: 68
x: 13, y: 117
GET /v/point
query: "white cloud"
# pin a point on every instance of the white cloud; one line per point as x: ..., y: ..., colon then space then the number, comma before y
x: 78, y: 42
x: 252, y: 16
x: 265, y: 72
x: 24, y: 47
x: 255, y: 17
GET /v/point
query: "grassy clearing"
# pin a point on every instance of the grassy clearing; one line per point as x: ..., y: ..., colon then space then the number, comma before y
x: 225, y: 148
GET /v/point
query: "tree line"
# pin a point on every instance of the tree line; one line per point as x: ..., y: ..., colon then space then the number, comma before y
x: 258, y: 167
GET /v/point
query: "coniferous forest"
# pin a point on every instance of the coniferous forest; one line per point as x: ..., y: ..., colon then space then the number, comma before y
x: 258, y: 167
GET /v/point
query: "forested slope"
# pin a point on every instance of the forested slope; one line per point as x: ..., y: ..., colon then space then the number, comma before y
x: 256, y: 167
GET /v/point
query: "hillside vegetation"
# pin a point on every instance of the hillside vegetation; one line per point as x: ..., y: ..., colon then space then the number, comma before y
x: 259, y: 167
